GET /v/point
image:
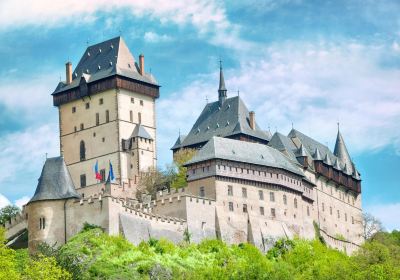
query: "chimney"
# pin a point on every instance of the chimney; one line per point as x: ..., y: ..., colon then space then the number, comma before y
x: 68, y: 72
x: 141, y: 64
x: 252, y: 117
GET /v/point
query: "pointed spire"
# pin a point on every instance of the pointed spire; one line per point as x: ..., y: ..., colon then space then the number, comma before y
x: 317, y: 154
x: 341, y: 151
x: 302, y: 152
x: 222, y: 89
x: 337, y: 165
x: 327, y: 160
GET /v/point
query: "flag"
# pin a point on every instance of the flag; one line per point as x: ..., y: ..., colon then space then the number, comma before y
x: 96, y: 171
x: 110, y: 174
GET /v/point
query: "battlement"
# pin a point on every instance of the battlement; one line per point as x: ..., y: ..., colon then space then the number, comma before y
x: 177, y: 196
x: 20, y: 217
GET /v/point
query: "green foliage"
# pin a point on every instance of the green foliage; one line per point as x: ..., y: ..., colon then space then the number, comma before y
x: 178, y: 175
x: 8, y: 212
x: 92, y: 254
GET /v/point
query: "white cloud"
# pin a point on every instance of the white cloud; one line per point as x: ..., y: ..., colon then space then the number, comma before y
x: 153, y: 37
x: 22, y: 201
x: 4, y: 201
x: 207, y: 16
x: 23, y: 152
x: 388, y: 214
x: 312, y: 85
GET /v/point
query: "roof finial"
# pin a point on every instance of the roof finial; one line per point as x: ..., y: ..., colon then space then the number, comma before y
x: 292, y: 125
x: 46, y: 155
x: 276, y: 129
x: 338, y: 126
x: 238, y: 93
x: 87, y: 42
x: 206, y: 99
x: 179, y: 132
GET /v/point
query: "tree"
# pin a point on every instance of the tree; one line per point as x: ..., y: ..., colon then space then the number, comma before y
x: 371, y: 225
x: 178, y: 179
x: 150, y: 182
x: 8, y: 212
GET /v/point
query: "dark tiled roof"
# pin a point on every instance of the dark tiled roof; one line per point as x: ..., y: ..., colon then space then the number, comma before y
x: 283, y: 144
x: 106, y: 59
x: 246, y: 152
x: 140, y: 131
x: 341, y: 152
x: 178, y: 142
x: 232, y: 118
x: 55, y: 182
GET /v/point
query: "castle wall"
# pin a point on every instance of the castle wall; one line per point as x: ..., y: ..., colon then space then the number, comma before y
x: 53, y: 230
x: 339, y: 211
x: 199, y: 212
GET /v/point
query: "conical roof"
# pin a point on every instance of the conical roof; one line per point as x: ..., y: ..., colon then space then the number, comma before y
x: 327, y: 160
x: 221, y: 80
x: 342, y: 153
x: 337, y: 165
x: 55, y: 182
x: 301, y: 152
x: 317, y: 154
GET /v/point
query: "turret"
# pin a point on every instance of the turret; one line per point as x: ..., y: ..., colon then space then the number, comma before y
x: 342, y: 153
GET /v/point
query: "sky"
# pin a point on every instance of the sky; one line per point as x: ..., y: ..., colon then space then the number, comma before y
x: 310, y: 63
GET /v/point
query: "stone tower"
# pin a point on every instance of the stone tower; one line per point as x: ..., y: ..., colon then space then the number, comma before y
x: 107, y: 115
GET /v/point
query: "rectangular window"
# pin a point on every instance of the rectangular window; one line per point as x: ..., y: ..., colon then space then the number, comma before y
x: 345, y: 217
x: 338, y: 214
x: 141, y: 102
x: 130, y: 116
x: 271, y: 196
x: 103, y: 175
x: 308, y: 211
x: 82, y: 127
x: 230, y: 190
x: 284, y: 199
x: 244, y: 192
x: 87, y: 105
x: 261, y: 195
x: 262, y: 211
x: 107, y: 116
x: 83, y: 180
x: 330, y: 210
x: 132, y: 100
x: 101, y: 101
x: 97, y: 119
x: 352, y: 220
x: 295, y: 203
x: 323, y: 207
x: 244, y: 208
x: 273, y: 213
x: 140, y: 117
x: 231, y: 206
x: 73, y: 109
x: 202, y: 192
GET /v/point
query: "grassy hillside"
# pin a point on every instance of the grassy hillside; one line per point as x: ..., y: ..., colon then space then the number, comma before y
x: 95, y: 255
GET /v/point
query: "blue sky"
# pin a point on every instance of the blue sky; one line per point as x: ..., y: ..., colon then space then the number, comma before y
x: 313, y: 63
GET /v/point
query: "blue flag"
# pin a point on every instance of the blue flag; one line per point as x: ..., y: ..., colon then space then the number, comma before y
x: 111, y: 174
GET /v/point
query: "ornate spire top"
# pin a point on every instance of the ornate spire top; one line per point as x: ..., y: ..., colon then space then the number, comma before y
x: 222, y: 89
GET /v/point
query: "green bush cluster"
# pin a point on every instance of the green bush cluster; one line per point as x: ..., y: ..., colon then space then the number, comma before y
x: 93, y: 254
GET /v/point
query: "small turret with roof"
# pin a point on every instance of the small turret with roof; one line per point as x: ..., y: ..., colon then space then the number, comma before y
x: 55, y: 182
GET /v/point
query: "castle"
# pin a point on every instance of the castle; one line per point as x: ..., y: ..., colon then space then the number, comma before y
x: 244, y: 184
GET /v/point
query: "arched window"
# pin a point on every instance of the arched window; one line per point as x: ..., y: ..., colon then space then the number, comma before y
x: 82, y: 150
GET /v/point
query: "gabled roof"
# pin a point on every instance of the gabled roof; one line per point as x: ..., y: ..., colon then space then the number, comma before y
x: 341, y: 152
x: 108, y: 58
x: 246, y: 152
x: 232, y: 118
x: 140, y: 131
x: 55, y: 182
x: 283, y: 144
